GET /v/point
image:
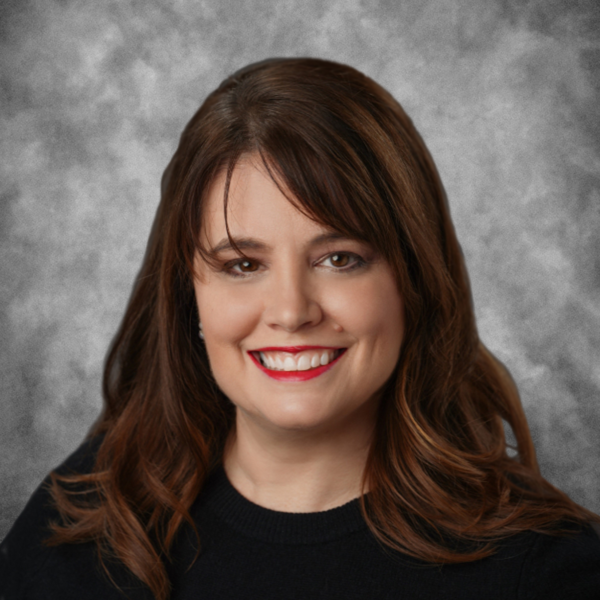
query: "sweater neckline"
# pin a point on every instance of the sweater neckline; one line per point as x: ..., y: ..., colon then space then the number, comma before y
x: 274, y: 526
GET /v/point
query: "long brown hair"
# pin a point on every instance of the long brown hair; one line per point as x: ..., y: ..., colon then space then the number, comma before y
x: 347, y: 155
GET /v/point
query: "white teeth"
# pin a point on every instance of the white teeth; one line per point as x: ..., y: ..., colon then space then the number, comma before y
x: 304, y: 363
x: 281, y: 362
x: 289, y: 364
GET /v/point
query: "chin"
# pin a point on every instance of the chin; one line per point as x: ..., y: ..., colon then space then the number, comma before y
x: 294, y: 418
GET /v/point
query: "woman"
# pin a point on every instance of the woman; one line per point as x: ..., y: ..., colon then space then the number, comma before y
x: 297, y: 404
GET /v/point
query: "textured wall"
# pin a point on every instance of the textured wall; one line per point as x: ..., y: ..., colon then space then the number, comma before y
x: 95, y: 94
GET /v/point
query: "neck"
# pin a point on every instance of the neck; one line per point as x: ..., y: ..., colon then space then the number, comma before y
x: 297, y: 471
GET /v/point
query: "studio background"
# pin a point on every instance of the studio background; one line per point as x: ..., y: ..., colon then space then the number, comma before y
x: 94, y: 97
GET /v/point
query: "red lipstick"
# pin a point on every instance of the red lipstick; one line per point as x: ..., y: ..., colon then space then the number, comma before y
x: 294, y: 349
x: 295, y: 375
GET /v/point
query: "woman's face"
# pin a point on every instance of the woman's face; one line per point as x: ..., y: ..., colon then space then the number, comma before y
x: 306, y: 297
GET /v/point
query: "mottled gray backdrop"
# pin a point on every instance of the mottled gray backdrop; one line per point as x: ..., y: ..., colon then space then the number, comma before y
x: 94, y: 95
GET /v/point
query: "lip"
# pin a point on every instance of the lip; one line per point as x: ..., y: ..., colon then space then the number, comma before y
x: 294, y: 349
x: 296, y: 375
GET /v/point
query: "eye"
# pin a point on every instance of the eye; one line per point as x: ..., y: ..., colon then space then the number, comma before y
x: 339, y: 260
x: 345, y: 261
x: 238, y: 268
x: 247, y: 266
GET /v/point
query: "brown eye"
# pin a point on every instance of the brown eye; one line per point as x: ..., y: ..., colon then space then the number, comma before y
x: 241, y: 268
x: 247, y: 266
x: 339, y: 260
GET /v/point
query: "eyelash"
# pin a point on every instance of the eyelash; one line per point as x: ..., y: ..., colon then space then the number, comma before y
x: 358, y: 263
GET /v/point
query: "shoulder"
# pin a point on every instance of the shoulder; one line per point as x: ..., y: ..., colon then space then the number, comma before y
x: 23, y: 554
x: 525, y: 566
x: 566, y: 566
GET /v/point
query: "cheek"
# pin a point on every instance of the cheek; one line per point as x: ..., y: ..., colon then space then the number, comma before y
x: 226, y: 316
x: 372, y: 311
x: 381, y: 321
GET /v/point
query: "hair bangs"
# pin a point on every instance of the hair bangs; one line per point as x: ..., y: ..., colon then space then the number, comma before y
x: 332, y: 196
x: 334, y: 176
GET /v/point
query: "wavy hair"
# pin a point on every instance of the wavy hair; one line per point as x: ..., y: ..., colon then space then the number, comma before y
x: 443, y: 487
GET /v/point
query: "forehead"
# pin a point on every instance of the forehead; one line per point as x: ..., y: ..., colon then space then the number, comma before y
x: 255, y: 206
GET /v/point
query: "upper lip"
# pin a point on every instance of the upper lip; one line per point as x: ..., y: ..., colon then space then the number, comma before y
x: 294, y: 349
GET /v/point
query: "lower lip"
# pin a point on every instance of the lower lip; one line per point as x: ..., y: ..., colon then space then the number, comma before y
x: 296, y: 375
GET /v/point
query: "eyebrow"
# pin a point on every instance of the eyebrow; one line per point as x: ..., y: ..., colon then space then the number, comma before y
x: 248, y: 243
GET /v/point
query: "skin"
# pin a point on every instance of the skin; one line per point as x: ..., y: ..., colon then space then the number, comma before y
x: 290, y: 437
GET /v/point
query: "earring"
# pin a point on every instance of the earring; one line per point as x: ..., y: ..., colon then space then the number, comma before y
x: 200, y: 333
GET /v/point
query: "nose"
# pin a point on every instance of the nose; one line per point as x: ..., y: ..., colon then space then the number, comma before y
x: 292, y: 303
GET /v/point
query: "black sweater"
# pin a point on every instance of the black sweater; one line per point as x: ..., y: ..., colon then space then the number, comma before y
x: 251, y: 552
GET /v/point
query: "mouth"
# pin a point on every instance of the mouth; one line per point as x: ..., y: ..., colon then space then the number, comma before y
x: 296, y: 365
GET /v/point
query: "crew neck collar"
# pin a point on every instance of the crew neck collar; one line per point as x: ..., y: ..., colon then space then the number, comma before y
x: 275, y: 526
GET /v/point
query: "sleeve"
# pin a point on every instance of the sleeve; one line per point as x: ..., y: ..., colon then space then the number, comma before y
x: 563, y: 567
x: 22, y: 552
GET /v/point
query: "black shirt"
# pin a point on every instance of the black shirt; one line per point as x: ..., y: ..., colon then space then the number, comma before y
x: 251, y: 552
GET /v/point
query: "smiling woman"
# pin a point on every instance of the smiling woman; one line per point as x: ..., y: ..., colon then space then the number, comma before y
x: 297, y: 403
x: 301, y: 336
